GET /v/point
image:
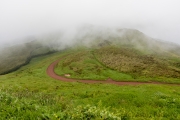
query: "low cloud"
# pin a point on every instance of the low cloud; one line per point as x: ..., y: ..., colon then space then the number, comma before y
x: 22, y: 20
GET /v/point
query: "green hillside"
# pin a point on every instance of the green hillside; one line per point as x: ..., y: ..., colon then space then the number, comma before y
x: 27, y: 92
x: 126, y: 55
x: 82, y: 64
x: 138, y: 65
x: 119, y: 63
x: 12, y: 58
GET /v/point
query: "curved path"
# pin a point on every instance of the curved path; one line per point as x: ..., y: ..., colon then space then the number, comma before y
x: 51, y: 73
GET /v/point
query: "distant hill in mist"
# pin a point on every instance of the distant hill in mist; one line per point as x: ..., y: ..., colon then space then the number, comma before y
x: 127, y: 37
x: 15, y: 56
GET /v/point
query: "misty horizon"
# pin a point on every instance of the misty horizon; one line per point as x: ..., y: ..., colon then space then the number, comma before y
x: 20, y: 19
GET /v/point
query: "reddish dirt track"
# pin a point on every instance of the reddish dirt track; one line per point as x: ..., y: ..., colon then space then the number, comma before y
x: 51, y: 73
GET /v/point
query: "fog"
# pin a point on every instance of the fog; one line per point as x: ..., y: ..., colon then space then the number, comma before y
x: 22, y: 19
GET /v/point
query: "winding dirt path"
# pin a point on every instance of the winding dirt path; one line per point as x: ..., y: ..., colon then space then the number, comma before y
x: 51, y: 73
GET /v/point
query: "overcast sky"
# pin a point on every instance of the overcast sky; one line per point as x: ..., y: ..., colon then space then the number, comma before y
x: 156, y: 18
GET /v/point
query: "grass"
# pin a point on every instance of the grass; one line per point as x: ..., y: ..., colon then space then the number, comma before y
x: 30, y: 94
x: 140, y: 67
x: 84, y: 65
x: 16, y: 56
x: 119, y: 63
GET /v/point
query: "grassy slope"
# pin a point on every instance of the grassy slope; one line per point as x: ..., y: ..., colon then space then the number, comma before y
x: 16, y: 56
x: 30, y: 94
x: 119, y: 63
x: 140, y: 65
x: 83, y: 65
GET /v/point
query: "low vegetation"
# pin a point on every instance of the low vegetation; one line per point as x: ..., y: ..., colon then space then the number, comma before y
x: 129, y: 61
x: 30, y: 94
x: 83, y: 65
x: 12, y: 58
x: 119, y: 63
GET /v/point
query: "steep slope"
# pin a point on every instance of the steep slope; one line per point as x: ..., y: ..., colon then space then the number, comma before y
x: 130, y: 61
x: 92, y: 37
x: 16, y: 56
x: 127, y: 51
x: 89, y: 37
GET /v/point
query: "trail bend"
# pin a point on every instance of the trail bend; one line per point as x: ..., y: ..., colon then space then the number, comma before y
x: 50, y: 72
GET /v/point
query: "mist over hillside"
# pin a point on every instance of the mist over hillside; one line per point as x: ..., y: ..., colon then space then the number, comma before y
x: 92, y: 36
x: 19, y: 19
x: 89, y: 36
x: 15, y: 56
x: 90, y: 59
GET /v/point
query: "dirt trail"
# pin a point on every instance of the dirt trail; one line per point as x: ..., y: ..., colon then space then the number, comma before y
x: 51, y: 73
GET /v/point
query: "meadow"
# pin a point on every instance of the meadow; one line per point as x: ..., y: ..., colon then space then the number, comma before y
x: 29, y: 93
x: 83, y: 65
x: 120, y: 64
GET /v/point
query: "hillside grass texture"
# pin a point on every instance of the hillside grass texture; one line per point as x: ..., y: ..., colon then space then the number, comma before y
x: 83, y: 65
x: 121, y: 64
x: 12, y: 58
x: 29, y: 93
